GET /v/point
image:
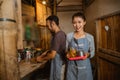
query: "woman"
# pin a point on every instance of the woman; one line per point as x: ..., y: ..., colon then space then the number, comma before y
x: 79, y: 40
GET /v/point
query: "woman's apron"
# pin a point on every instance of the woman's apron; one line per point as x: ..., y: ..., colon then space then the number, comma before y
x: 79, y: 69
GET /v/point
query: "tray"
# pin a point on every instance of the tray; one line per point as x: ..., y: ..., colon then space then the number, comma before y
x: 77, y: 58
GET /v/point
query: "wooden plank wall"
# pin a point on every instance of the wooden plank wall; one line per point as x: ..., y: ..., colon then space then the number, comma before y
x: 108, y: 47
x: 28, y: 10
x: 28, y: 18
x: 8, y: 41
x: 116, y: 20
x: 20, y: 26
x: 110, y: 38
x: 45, y: 38
x: 108, y: 67
x: 42, y: 12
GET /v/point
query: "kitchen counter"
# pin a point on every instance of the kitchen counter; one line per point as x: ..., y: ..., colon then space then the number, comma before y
x: 27, y: 67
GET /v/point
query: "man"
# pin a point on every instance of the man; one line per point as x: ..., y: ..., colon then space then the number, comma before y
x: 57, y: 49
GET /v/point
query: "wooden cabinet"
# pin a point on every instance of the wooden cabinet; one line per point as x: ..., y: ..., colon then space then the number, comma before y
x: 108, y: 47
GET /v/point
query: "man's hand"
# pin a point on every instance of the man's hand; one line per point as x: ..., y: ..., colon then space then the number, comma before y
x: 42, y: 56
x: 44, y: 53
x: 39, y: 59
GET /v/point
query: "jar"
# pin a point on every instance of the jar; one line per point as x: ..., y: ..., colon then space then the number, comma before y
x: 81, y: 53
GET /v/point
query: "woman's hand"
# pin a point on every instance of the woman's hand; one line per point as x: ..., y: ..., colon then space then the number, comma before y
x: 68, y: 55
x: 87, y: 55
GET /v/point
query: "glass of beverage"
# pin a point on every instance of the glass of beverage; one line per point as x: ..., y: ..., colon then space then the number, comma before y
x: 72, y: 52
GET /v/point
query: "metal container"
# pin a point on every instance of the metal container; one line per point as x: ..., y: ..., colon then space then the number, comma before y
x: 81, y: 53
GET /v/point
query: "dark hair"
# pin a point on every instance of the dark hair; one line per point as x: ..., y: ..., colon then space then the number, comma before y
x: 53, y: 18
x: 79, y: 14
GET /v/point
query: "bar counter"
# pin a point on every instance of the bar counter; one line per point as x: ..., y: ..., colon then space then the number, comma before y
x: 27, y: 67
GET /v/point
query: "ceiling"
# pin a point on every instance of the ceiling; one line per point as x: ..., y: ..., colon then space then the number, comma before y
x: 69, y: 5
x: 69, y: 2
x: 64, y: 5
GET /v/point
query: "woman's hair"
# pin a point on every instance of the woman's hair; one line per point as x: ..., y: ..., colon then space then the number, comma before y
x: 53, y: 18
x: 79, y: 14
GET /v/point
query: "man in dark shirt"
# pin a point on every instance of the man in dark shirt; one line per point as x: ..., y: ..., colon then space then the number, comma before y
x: 57, y: 49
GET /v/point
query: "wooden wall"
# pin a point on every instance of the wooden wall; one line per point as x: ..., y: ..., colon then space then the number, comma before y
x: 8, y: 40
x: 11, y: 37
x: 108, y: 47
x: 28, y: 19
x: 28, y: 10
x: 42, y: 12
x: 45, y: 37
x: 39, y: 33
x: 108, y: 67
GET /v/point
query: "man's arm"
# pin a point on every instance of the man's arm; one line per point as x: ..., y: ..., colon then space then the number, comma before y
x: 48, y: 55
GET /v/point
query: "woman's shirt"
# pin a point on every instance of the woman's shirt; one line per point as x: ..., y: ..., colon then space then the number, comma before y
x: 90, y: 39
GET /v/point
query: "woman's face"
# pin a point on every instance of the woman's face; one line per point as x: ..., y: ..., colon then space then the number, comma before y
x: 78, y: 23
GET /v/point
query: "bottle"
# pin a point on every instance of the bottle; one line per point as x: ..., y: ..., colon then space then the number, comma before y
x: 72, y: 52
x: 19, y: 57
x: 28, y: 56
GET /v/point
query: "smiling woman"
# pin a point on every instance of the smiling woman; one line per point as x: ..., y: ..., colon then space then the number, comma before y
x: 81, y: 42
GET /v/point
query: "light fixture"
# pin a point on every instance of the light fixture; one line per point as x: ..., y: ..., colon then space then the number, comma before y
x: 44, y: 2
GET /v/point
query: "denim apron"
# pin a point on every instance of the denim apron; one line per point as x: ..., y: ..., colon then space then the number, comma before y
x: 79, y: 69
x: 56, y: 66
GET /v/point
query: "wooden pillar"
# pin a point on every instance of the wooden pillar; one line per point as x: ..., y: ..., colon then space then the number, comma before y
x: 8, y: 40
x: 55, y: 7
x: 20, y: 26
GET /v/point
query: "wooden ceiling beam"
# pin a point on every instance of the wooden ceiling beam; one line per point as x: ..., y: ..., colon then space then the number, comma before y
x: 69, y: 8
